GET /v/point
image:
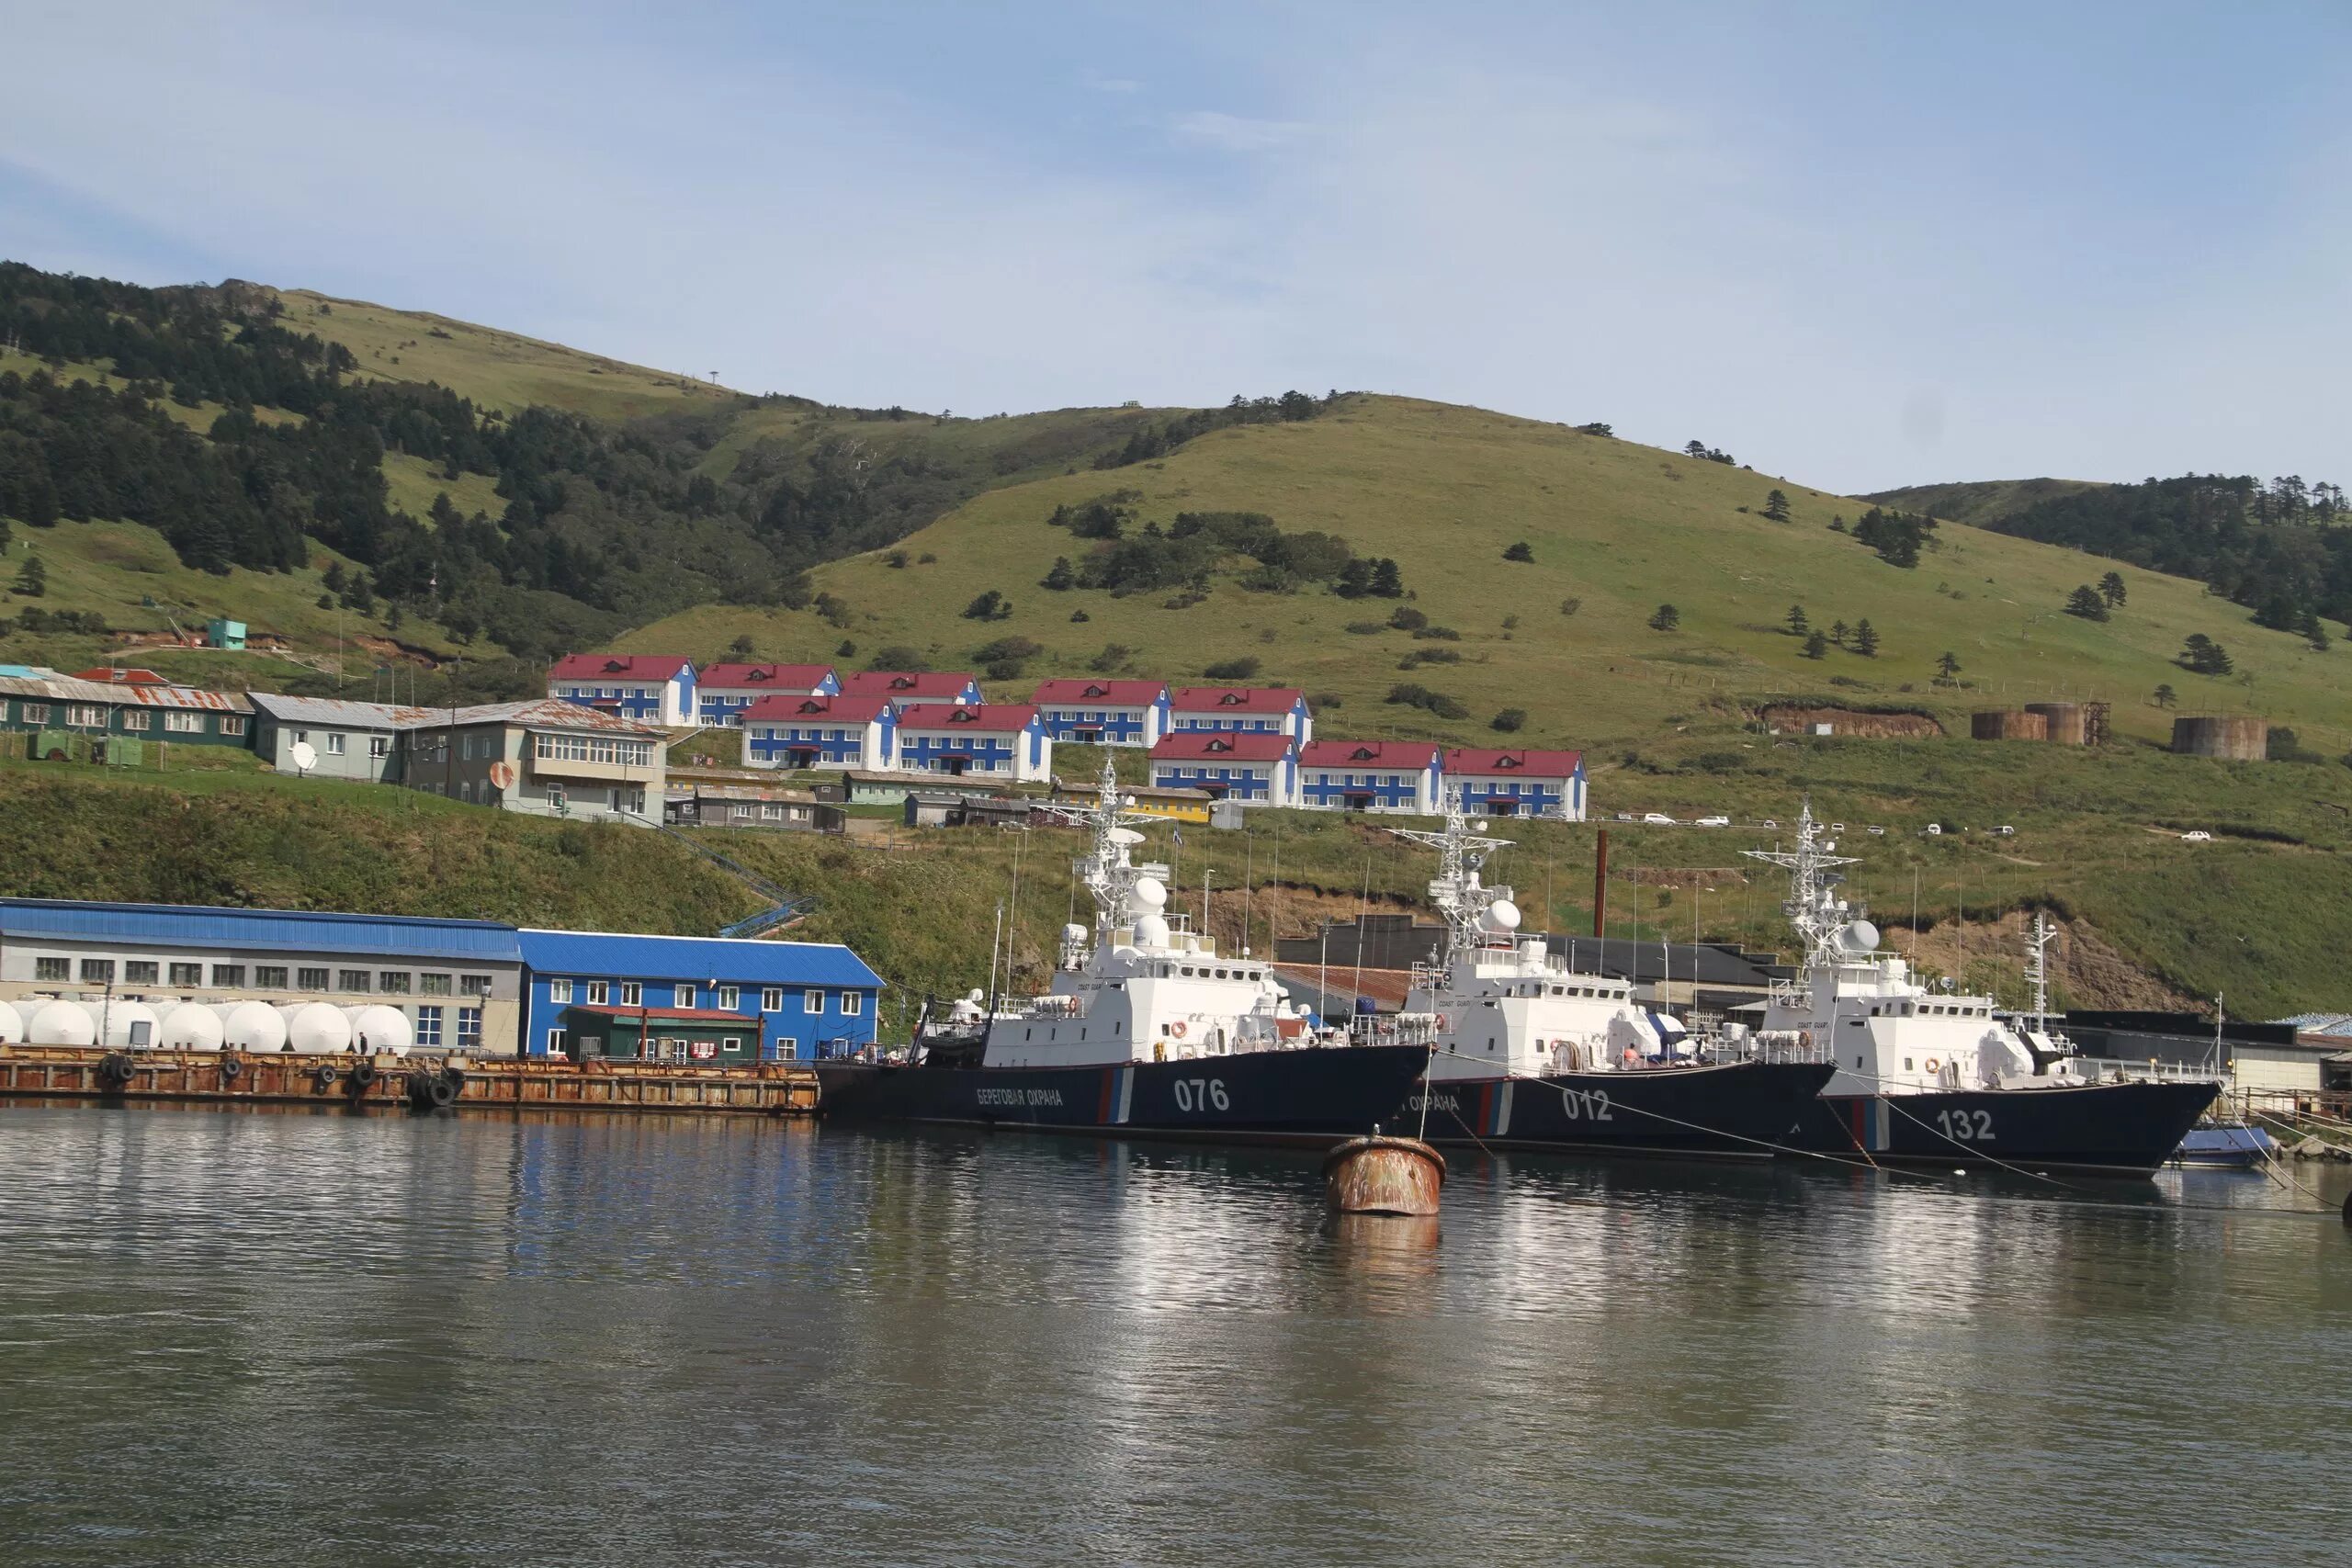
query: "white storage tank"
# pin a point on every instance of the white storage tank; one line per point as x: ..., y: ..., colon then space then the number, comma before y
x: 121, y: 1017
x: 12, y: 1024
x: 62, y: 1023
x: 190, y: 1026
x: 384, y: 1027
x: 316, y: 1028
x: 252, y: 1026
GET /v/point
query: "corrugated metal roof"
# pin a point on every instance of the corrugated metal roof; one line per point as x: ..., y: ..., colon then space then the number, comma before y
x: 992, y: 717
x: 1368, y: 753
x: 907, y: 685
x: 700, y: 958
x: 1210, y: 745
x: 541, y: 713
x: 1478, y: 760
x: 1118, y: 694
x: 1236, y: 699
x: 200, y: 925
x: 787, y: 705
x: 618, y: 667
x: 335, y: 710
x: 65, y: 689
x: 757, y: 677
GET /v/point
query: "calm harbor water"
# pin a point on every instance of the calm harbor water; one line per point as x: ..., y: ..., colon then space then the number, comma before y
x: 262, y: 1338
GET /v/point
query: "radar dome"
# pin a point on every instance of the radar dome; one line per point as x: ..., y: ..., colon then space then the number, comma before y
x: 11, y: 1025
x: 62, y: 1023
x: 385, y: 1028
x: 252, y: 1026
x: 313, y: 1027
x: 1860, y: 937
x: 1073, y: 932
x: 1151, y: 931
x: 190, y: 1026
x: 122, y: 1016
x: 1502, y: 915
x: 1148, y: 893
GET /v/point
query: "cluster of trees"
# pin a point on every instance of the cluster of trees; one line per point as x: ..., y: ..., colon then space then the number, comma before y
x: 1712, y: 454
x: 1897, y: 536
x: 1151, y: 440
x: 1404, y: 694
x: 2280, y: 549
x: 2098, y: 604
x: 1128, y: 559
x: 1861, y: 638
x: 2202, y: 655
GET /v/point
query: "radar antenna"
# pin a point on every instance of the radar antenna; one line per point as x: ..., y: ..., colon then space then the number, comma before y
x: 1456, y: 891
x: 1813, y: 909
x: 2037, y: 965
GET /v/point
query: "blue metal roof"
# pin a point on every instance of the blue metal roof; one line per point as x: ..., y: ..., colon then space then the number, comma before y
x: 198, y: 925
x: 734, y: 961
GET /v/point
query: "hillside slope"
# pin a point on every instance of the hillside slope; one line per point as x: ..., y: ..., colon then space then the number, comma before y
x: 1980, y: 502
x: 1615, y: 530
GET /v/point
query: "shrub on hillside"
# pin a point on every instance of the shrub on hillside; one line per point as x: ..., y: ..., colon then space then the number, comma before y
x: 988, y: 607
x: 1405, y: 619
x: 1510, y: 719
x: 898, y: 655
x: 1240, y: 669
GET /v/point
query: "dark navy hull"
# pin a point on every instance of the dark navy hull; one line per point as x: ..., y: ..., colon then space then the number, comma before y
x: 1303, y: 1096
x: 1737, y: 1110
x: 2129, y: 1127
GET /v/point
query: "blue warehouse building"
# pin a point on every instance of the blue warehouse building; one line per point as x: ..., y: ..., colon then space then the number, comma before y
x: 716, y: 1000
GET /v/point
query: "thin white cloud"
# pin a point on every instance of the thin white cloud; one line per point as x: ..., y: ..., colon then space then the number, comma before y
x: 1235, y: 133
x: 1093, y: 81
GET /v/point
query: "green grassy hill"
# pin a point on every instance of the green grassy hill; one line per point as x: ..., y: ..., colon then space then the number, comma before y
x: 1615, y: 529
x: 1979, y: 501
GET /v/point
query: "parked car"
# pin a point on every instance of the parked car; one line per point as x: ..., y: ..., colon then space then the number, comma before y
x: 1624, y: 816
x: 1932, y: 830
x: 1768, y: 822
x: 1837, y: 827
x: 1660, y: 820
x: 2005, y: 831
x: 1875, y: 832
x: 1714, y: 822
x: 2197, y: 836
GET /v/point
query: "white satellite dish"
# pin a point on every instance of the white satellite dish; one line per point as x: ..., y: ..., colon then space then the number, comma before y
x: 305, y: 755
x: 1126, y: 836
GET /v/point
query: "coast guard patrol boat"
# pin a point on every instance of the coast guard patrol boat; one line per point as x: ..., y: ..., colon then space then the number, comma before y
x: 1147, y: 1029
x: 1531, y: 1053
x: 1929, y: 1078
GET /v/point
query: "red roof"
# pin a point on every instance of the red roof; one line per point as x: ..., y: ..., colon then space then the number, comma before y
x: 107, y: 676
x: 669, y: 1015
x: 775, y: 677
x: 1368, y: 753
x: 1119, y: 694
x: 786, y: 705
x: 1478, y: 760
x: 907, y: 685
x: 990, y: 717
x: 1215, y: 745
x: 1237, y: 699
x: 616, y: 667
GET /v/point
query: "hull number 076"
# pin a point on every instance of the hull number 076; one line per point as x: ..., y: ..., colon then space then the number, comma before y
x: 1202, y: 1094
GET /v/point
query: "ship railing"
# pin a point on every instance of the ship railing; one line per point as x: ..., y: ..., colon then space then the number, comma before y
x: 2119, y: 1069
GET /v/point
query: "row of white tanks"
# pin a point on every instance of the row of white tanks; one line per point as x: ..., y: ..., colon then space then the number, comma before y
x: 311, y: 1028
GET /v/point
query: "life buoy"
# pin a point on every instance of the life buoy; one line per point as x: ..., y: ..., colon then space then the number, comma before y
x: 1933, y: 1064
x: 1176, y: 1029
x: 1632, y: 1055
x: 1444, y: 1024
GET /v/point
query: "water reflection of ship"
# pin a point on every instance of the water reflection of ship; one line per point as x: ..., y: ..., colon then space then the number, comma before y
x: 1939, y: 1078
x: 1147, y: 1028
x: 1530, y: 1052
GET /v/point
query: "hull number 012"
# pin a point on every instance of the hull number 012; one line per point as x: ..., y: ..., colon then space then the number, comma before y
x: 1202, y: 1094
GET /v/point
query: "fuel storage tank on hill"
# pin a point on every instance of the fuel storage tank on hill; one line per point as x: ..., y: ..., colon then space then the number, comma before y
x: 2065, y: 724
x: 2236, y: 737
x: 2007, y: 724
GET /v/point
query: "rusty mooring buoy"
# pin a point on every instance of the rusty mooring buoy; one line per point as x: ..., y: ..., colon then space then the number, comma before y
x: 1382, y: 1175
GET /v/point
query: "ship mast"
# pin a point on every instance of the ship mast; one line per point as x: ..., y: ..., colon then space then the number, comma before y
x: 1462, y: 900
x: 1814, y: 910
x: 1107, y: 873
x: 2037, y: 966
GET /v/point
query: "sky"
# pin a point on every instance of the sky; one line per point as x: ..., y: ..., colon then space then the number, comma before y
x: 1857, y: 245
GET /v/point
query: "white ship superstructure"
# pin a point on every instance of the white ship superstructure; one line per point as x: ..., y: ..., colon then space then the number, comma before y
x: 1139, y: 985
x: 1496, y: 1004
x: 1887, y: 1032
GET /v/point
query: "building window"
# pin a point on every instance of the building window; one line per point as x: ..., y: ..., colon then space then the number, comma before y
x: 560, y: 991
x: 732, y: 1043
x: 311, y: 979
x: 138, y: 718
x: 138, y: 971
x: 852, y: 1004
x: 433, y: 985
x: 632, y: 994
x: 184, y: 723
x: 98, y: 971
x: 595, y: 749
x: 231, y: 724
x: 428, y: 1025
x: 729, y: 999
x: 379, y: 746
x: 597, y: 992
x: 77, y: 713
x: 335, y: 742
x: 473, y: 985
x: 786, y: 1047
x: 392, y: 982
x: 52, y: 969
x: 555, y: 1042
x: 469, y: 1029
x: 772, y: 999
x: 682, y: 997
x: 34, y: 712
x: 228, y: 974
x: 269, y: 977
x: 351, y: 980
x: 813, y: 1002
